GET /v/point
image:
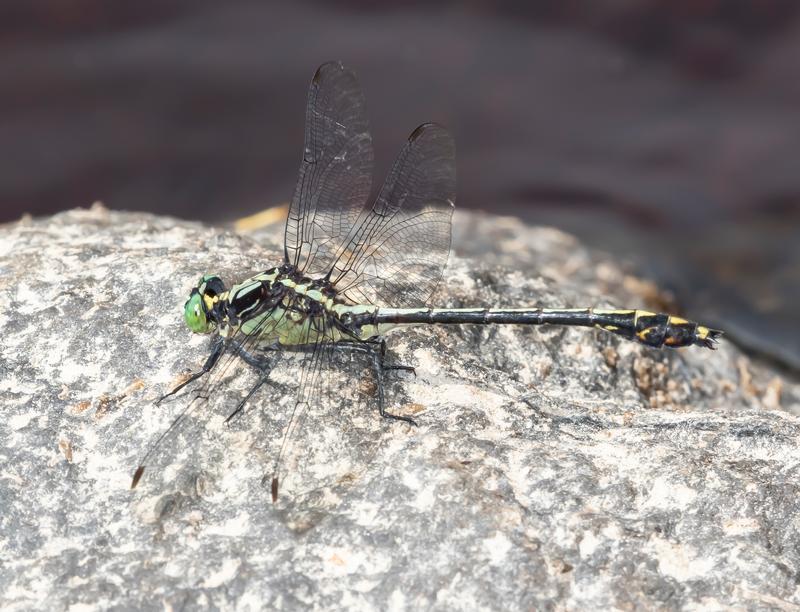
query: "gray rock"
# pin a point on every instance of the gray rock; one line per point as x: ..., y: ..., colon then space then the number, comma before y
x: 552, y: 468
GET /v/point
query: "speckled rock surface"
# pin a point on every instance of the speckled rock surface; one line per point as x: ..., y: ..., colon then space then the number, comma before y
x: 552, y: 468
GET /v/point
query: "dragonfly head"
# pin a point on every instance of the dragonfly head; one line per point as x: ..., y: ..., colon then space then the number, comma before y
x: 198, y: 310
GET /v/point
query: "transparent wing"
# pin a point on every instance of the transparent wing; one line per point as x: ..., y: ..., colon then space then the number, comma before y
x: 330, y: 436
x: 191, y: 422
x: 204, y: 404
x: 397, y: 252
x: 336, y: 172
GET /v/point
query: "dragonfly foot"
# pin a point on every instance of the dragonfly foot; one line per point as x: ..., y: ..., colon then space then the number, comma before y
x: 398, y: 417
x: 403, y: 368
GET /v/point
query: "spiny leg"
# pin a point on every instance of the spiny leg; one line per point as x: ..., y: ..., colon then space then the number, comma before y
x: 213, y: 358
x: 247, y: 397
x: 262, y: 365
x: 376, y: 351
x: 404, y: 368
x: 380, y: 343
x: 378, y: 368
x: 365, y: 346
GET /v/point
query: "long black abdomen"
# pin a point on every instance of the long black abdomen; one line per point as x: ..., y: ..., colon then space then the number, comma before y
x: 649, y: 328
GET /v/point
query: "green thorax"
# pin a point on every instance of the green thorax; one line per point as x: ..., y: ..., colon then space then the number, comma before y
x: 277, y: 308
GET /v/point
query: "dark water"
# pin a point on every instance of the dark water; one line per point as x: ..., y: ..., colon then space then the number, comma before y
x: 666, y: 132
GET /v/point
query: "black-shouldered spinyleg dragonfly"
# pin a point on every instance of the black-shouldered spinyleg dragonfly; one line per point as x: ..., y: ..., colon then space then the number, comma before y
x: 351, y: 272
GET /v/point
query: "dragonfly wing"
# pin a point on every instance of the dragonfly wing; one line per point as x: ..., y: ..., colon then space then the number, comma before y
x: 397, y: 252
x: 179, y: 442
x: 335, y: 174
x: 330, y: 436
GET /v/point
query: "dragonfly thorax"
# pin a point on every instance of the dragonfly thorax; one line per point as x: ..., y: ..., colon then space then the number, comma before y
x: 279, y: 305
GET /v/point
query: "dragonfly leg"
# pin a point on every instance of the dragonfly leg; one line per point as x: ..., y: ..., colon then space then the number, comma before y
x: 378, y: 368
x: 216, y: 353
x: 247, y: 397
x: 404, y: 368
x: 262, y: 364
x: 376, y: 351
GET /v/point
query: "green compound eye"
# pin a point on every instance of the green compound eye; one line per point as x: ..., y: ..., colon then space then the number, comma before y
x: 194, y: 314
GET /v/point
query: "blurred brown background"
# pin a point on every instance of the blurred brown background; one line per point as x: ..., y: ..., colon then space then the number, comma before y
x: 663, y: 131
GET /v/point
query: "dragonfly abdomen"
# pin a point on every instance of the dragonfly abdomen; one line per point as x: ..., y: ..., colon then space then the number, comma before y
x: 655, y: 329
x: 650, y: 328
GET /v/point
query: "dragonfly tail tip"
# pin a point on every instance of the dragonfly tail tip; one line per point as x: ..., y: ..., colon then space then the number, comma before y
x: 712, y: 338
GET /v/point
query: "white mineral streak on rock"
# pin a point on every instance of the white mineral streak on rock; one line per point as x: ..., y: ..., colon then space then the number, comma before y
x: 234, y: 527
x: 667, y: 494
x: 680, y: 561
x: 226, y: 571
x: 497, y: 548
x: 740, y: 525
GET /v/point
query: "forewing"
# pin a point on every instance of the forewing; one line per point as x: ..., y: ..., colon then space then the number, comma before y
x: 336, y: 172
x: 396, y: 255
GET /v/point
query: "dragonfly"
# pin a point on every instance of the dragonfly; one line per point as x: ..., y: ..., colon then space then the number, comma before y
x: 352, y: 270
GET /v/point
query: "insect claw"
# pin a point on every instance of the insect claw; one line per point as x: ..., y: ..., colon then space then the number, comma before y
x: 166, y: 395
x: 403, y: 368
x: 398, y: 417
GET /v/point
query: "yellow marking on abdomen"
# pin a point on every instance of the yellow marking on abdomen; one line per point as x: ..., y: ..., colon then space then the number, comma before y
x: 642, y: 335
